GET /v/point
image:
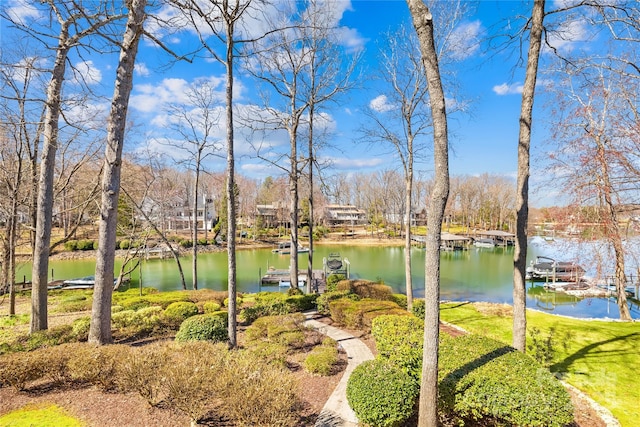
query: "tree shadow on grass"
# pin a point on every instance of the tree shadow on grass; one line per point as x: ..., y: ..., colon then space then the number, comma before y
x: 594, y: 350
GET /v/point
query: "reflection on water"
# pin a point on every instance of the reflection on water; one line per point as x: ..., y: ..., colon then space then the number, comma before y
x: 478, y: 274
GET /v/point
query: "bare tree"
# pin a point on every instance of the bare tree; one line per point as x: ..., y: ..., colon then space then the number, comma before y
x: 401, y: 119
x: 423, y: 23
x: 328, y: 76
x: 196, y: 124
x: 221, y: 19
x: 597, y: 157
x: 100, y: 329
x: 74, y: 22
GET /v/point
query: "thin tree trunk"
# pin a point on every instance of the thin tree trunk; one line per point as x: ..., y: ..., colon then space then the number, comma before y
x: 231, y: 198
x: 522, y: 198
x: 407, y: 237
x: 100, y: 329
x: 44, y: 203
x: 311, y: 160
x: 293, y: 189
x: 194, y: 248
x: 423, y: 23
x: 613, y: 234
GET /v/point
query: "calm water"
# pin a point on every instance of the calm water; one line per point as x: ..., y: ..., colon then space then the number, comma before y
x: 479, y: 274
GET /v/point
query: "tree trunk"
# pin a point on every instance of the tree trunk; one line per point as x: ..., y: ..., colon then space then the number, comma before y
x: 100, y: 329
x: 293, y: 189
x: 231, y: 197
x: 613, y: 233
x: 407, y: 235
x: 423, y: 23
x: 40, y: 269
x: 522, y: 198
x: 194, y: 247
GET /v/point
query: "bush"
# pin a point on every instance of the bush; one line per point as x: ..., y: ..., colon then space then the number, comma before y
x: 177, y: 312
x: 125, y: 244
x: 322, y: 359
x: 98, y: 366
x: 80, y: 328
x: 275, y: 304
x: 481, y: 378
x: 359, y: 314
x: 399, y: 340
x: 211, y: 306
x: 140, y: 372
x: 85, y: 245
x: 265, y: 400
x: 418, y: 308
x: 322, y: 302
x: 185, y: 243
x: 333, y: 280
x: 71, y: 245
x: 381, y: 393
x: 285, y: 329
x: 204, y: 327
x: 400, y: 299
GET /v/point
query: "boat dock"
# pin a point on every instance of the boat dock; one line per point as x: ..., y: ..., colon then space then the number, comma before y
x: 282, y: 277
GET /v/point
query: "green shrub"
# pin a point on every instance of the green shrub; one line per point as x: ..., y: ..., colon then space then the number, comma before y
x: 204, y: 327
x: 333, y: 280
x: 80, y: 328
x: 481, y: 378
x: 177, y: 312
x: 71, y: 245
x: 382, y: 394
x: 131, y: 300
x: 85, y: 245
x: 418, y: 309
x: 321, y: 359
x: 399, y: 339
x: 359, y: 314
x: 211, y: 306
x: 322, y: 302
x: 401, y: 300
x: 125, y: 244
x: 185, y: 243
x: 270, y: 328
x: 275, y: 304
x: 271, y: 352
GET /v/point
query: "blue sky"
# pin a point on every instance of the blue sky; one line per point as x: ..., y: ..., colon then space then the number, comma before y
x: 483, y: 138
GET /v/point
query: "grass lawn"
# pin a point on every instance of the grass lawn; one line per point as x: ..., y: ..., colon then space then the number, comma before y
x: 601, y: 358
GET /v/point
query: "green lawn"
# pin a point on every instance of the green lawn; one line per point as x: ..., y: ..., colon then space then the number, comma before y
x: 600, y: 358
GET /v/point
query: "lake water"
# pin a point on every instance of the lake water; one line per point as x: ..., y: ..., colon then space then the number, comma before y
x: 478, y: 274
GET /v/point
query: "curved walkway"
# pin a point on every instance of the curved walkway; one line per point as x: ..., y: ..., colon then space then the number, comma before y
x: 337, y: 412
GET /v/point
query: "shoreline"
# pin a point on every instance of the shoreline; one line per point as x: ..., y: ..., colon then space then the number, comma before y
x: 245, y: 245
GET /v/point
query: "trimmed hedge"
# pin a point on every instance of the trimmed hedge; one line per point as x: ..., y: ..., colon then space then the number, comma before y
x: 360, y: 314
x: 204, y: 327
x: 382, y: 394
x: 479, y: 378
x: 180, y: 310
x: 484, y: 378
x: 399, y: 339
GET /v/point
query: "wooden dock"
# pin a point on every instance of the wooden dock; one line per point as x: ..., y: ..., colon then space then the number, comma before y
x: 281, y: 277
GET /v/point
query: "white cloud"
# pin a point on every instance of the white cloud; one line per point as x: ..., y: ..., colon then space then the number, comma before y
x: 86, y: 73
x: 22, y: 11
x: 508, y: 89
x: 142, y: 70
x: 567, y: 34
x: 464, y: 40
x: 381, y: 104
x: 349, y: 163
